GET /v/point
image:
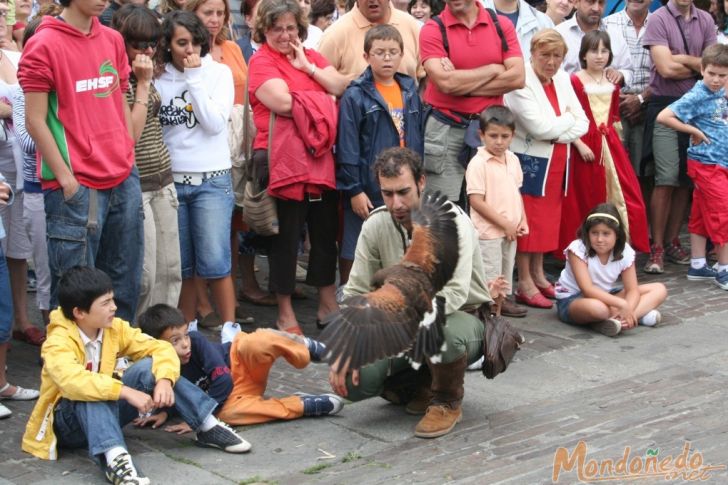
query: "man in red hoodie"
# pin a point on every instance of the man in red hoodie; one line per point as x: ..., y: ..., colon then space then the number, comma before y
x: 74, y: 73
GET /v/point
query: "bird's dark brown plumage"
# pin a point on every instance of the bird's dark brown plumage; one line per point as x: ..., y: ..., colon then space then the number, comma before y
x: 386, y: 321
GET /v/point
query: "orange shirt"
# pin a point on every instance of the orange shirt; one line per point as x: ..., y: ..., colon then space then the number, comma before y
x: 392, y: 95
x: 233, y: 58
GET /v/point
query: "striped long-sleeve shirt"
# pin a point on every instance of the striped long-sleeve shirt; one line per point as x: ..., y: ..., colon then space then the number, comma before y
x: 27, y: 144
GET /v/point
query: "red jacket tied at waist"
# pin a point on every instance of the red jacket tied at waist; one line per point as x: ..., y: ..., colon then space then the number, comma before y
x: 301, y: 161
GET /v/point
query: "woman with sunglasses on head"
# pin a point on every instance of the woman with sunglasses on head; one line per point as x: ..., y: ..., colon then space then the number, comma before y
x: 197, y: 98
x: 162, y: 274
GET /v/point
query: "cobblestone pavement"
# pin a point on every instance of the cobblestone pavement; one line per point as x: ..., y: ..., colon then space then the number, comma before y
x: 653, y: 391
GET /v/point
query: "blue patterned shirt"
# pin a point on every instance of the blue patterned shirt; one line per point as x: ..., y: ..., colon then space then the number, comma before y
x: 708, y: 112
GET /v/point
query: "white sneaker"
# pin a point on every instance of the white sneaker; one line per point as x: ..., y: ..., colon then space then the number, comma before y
x: 301, y: 273
x: 651, y: 319
x: 340, y: 294
x: 478, y: 364
x: 229, y: 331
x: 5, y: 412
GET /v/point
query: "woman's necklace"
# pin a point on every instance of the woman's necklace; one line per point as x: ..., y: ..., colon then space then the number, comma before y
x: 596, y: 81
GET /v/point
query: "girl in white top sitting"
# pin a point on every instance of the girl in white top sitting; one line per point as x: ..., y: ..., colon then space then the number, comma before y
x: 587, y: 293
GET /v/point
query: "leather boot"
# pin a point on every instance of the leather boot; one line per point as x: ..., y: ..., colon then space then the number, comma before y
x: 444, y: 411
x: 410, y: 388
x: 509, y: 308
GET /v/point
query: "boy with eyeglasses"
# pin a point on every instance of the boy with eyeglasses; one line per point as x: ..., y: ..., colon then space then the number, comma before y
x: 381, y: 109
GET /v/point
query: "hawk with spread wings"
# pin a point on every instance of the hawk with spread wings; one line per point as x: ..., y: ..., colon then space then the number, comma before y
x: 402, y: 314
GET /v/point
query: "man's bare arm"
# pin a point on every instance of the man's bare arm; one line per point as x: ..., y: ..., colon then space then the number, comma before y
x: 460, y: 82
x: 666, y: 64
x: 514, y: 77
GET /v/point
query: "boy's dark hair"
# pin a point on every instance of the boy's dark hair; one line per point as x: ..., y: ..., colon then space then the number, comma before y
x: 435, y: 6
x: 321, y: 8
x: 604, y: 214
x: 716, y: 55
x: 158, y: 318
x: 188, y: 20
x: 382, y: 32
x: 590, y: 42
x: 79, y: 287
x: 497, y: 115
x: 389, y: 163
x: 136, y: 23
x: 247, y: 6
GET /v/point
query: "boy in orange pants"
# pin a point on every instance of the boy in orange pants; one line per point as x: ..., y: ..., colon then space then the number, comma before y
x: 235, y: 373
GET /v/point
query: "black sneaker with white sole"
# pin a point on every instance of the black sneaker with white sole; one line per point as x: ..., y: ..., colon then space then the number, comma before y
x: 121, y: 471
x: 222, y: 437
x: 316, y: 349
x: 321, y: 404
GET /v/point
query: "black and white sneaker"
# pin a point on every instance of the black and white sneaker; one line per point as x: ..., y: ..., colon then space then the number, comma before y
x: 321, y: 405
x: 121, y: 471
x: 222, y: 437
x: 316, y: 349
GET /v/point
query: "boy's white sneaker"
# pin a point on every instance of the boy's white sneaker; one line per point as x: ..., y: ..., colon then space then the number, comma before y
x: 121, y: 471
x: 222, y: 437
x: 478, y: 364
x: 229, y: 331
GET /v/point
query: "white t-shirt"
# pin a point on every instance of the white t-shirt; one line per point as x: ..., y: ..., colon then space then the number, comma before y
x: 602, y: 275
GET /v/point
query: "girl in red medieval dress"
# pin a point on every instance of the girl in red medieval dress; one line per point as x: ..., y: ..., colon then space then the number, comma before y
x: 601, y: 169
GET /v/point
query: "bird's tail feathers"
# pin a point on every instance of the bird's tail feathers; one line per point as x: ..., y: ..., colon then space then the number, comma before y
x: 430, y: 338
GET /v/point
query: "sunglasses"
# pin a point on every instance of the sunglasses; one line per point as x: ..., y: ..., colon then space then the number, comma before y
x: 143, y: 45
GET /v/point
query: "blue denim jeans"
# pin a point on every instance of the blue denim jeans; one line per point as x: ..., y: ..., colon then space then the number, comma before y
x: 96, y: 425
x: 6, y: 301
x: 113, y: 241
x: 204, y: 216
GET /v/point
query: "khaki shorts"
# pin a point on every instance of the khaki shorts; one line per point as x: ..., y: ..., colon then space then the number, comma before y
x: 442, y: 147
x: 499, y: 256
x: 667, y: 157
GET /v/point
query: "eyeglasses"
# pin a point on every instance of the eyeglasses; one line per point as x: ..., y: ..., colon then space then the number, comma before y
x: 142, y: 45
x: 291, y: 30
x: 382, y: 54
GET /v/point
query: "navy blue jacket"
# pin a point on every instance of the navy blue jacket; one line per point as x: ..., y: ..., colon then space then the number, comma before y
x: 366, y: 128
x: 209, y: 367
x: 246, y: 47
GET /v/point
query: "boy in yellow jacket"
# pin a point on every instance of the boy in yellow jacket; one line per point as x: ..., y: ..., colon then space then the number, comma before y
x: 84, y: 404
